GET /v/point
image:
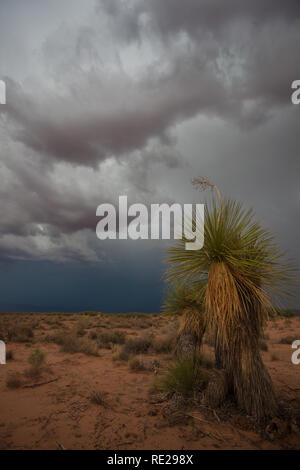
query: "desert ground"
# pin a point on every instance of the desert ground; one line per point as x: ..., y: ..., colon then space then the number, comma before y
x: 95, y: 387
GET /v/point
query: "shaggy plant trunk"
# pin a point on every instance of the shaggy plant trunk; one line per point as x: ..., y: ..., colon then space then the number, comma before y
x: 248, y: 380
x: 187, y: 344
x: 238, y: 325
x: 190, y: 333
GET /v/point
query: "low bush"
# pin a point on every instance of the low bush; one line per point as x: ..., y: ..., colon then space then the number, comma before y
x: 106, y: 338
x: 136, y: 364
x: 72, y: 344
x: 138, y: 345
x: 182, y: 377
x: 81, y: 325
x: 20, y: 334
x: 37, y: 358
x: 119, y: 354
x: 36, y: 361
x: 164, y: 344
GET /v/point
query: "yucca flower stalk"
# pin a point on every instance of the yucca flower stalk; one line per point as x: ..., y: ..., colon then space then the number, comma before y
x: 237, y: 269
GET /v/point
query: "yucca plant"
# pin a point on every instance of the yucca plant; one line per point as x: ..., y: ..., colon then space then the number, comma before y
x: 235, y: 271
x: 183, y: 300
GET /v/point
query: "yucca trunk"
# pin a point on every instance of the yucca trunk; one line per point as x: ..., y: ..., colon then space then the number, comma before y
x: 186, y: 344
x: 237, y: 320
x: 190, y: 333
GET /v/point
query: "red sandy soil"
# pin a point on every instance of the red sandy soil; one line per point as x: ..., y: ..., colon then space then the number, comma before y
x: 41, y: 415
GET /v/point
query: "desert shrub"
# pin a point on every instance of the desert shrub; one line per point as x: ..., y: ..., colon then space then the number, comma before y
x: 287, y: 340
x: 14, y: 380
x: 89, y: 348
x: 81, y: 325
x: 105, y: 339
x: 98, y: 397
x: 138, y: 345
x: 37, y: 358
x: 119, y: 354
x: 57, y: 337
x: 263, y: 345
x: 92, y: 313
x: 182, y: 377
x: 36, y: 361
x: 142, y: 323
x: 136, y: 364
x: 93, y: 335
x: 165, y: 344
x: 72, y: 344
x: 20, y: 334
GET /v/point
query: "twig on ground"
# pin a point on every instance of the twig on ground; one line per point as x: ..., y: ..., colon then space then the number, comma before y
x: 40, y: 383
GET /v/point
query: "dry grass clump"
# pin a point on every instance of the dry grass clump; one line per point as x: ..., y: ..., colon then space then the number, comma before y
x: 70, y: 343
x: 106, y: 339
x: 81, y: 325
x: 88, y: 347
x: 118, y: 354
x: 53, y: 320
x: 14, y: 380
x: 164, y: 344
x: 17, y: 333
x: 137, y: 364
x: 98, y: 397
x: 138, y: 345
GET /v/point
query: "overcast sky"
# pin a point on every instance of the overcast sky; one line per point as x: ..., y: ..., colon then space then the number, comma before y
x: 135, y: 97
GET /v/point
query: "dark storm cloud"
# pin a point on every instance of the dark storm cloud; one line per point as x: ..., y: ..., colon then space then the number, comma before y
x: 252, y: 43
x: 227, y: 66
x: 94, y: 121
x: 99, y: 113
x: 193, y: 16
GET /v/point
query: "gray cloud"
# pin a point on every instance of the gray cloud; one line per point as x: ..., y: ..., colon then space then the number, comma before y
x: 89, y: 105
x: 194, y: 16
